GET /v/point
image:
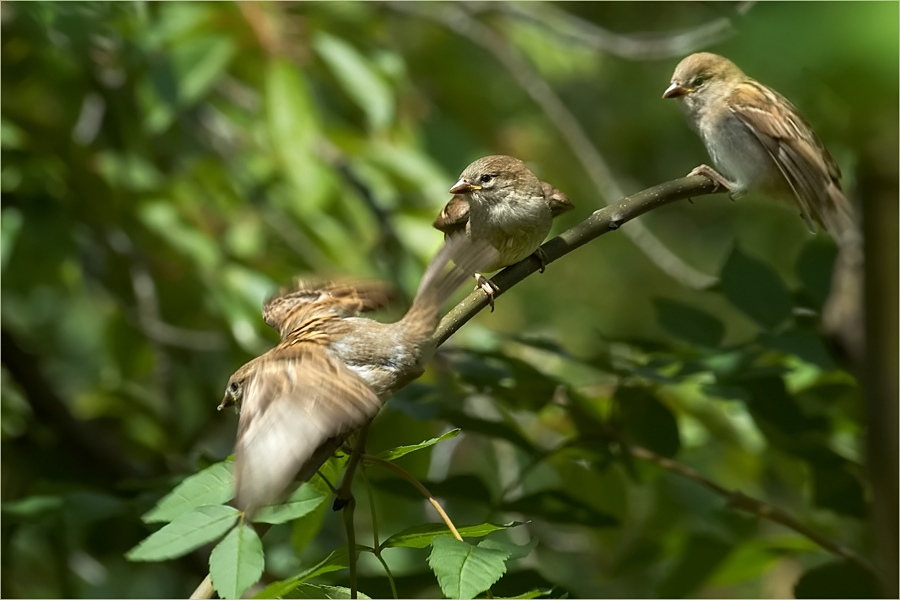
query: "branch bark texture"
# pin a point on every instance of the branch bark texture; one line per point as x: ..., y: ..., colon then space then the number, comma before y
x: 609, y: 218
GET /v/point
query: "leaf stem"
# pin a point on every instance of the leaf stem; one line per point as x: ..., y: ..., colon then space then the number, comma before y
x: 415, y: 483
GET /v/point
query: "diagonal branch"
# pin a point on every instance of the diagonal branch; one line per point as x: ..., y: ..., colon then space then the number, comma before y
x: 741, y: 501
x: 602, y: 221
x: 458, y: 20
x: 631, y: 46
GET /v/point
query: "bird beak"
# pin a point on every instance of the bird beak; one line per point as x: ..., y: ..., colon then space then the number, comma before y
x: 463, y: 186
x: 676, y: 90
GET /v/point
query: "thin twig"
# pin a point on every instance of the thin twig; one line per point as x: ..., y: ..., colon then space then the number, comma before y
x: 374, y: 460
x: 458, y: 20
x: 349, y: 508
x: 344, y: 501
x: 741, y: 501
x: 204, y: 590
x: 631, y: 46
x: 600, y: 222
x: 376, y: 547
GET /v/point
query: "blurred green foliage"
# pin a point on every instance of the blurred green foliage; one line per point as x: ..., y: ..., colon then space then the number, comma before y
x: 165, y: 166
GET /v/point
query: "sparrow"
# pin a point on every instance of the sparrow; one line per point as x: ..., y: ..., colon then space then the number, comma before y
x: 332, y: 371
x: 498, y: 199
x: 759, y: 141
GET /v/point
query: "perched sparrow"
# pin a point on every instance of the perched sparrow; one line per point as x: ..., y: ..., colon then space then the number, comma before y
x: 759, y: 141
x: 332, y: 371
x: 499, y: 200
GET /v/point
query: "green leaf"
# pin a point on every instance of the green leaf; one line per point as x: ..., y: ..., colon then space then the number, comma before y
x: 32, y: 508
x: 187, y: 532
x: 399, y: 451
x: 463, y: 570
x: 293, y: 125
x: 836, y: 488
x: 838, y: 580
x: 647, y: 421
x: 558, y: 507
x: 756, y: 289
x: 309, y: 591
x: 695, y: 563
x: 814, y: 267
x: 338, y: 560
x: 302, y: 502
x: 801, y: 343
x: 358, y: 78
x: 212, y: 485
x: 420, y: 536
x: 490, y: 429
x: 514, y: 551
x: 236, y: 562
x: 10, y: 225
x: 688, y: 323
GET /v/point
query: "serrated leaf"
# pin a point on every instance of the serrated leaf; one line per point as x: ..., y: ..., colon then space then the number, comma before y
x: 514, y: 551
x: 338, y: 560
x: 756, y: 289
x: 309, y: 591
x: 399, y: 451
x: 536, y: 593
x: 358, y: 78
x: 302, y: 502
x: 213, y: 485
x: 464, y: 570
x: 688, y: 323
x: 189, y: 531
x: 421, y: 536
x: 236, y: 562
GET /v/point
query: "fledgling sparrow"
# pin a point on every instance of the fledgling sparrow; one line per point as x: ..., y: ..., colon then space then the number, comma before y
x: 498, y: 199
x: 759, y: 141
x: 332, y: 371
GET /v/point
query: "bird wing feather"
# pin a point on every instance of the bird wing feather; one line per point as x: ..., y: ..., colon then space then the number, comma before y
x: 296, y: 399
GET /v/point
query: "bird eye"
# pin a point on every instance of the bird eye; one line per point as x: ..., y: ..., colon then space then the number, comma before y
x: 698, y: 81
x: 235, y: 386
x: 486, y: 178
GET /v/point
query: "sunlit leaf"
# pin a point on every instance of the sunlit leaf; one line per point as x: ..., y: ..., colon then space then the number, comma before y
x: 358, y: 77
x: 399, y: 451
x: 420, y: 536
x: 187, y: 532
x: 464, y: 570
x: 212, y: 485
x: 236, y: 562
x: 302, y: 502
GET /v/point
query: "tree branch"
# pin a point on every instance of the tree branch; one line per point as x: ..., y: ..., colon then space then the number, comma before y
x: 601, y: 221
x: 631, y: 46
x: 741, y: 501
x: 456, y: 19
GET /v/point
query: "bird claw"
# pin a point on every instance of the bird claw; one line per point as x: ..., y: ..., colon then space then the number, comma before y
x: 542, y: 257
x: 713, y: 176
x: 488, y: 287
